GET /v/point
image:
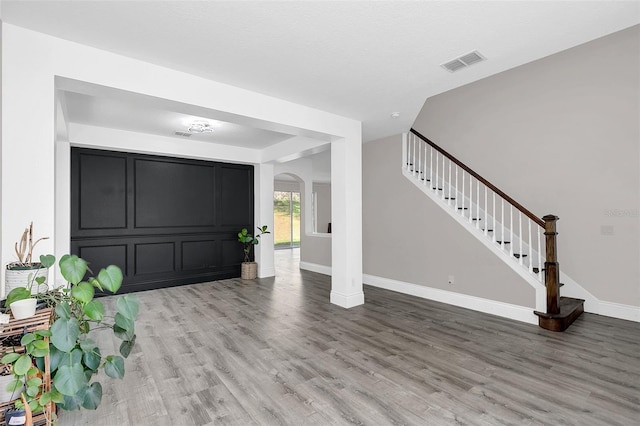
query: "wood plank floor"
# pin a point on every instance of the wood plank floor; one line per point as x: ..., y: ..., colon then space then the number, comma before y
x: 275, y: 352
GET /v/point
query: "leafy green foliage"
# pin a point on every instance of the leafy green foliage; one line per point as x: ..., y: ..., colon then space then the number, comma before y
x: 94, y: 310
x: 47, y: 260
x: 10, y: 358
x: 114, y: 367
x: 72, y: 268
x: 126, y: 346
x: 65, y: 333
x: 110, y: 278
x: 83, y: 292
x: 128, y: 306
x: 18, y: 293
x: 69, y: 379
x: 75, y: 358
x: 248, y: 240
x: 91, y: 396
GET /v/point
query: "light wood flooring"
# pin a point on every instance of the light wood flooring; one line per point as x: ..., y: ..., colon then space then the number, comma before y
x: 276, y: 352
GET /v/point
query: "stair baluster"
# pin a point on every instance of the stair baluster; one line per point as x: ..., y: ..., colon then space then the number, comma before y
x: 486, y: 220
x: 493, y: 237
x: 530, y: 245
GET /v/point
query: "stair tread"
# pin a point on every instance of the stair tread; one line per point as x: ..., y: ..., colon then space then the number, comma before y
x: 567, y: 306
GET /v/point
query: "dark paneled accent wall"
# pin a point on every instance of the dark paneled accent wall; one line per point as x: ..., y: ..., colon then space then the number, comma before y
x: 164, y: 221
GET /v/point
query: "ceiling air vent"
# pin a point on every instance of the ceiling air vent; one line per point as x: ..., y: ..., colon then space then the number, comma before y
x: 185, y: 134
x: 463, y: 61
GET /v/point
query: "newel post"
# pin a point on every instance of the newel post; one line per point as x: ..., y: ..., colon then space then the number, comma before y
x: 552, y: 268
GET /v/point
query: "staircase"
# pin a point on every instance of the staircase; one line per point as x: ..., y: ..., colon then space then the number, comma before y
x: 525, y: 242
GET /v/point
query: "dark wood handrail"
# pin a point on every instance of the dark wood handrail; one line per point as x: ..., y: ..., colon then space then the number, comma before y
x: 491, y: 186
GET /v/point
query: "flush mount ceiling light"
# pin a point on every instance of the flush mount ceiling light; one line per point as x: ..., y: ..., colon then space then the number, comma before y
x: 200, y: 127
x: 395, y: 114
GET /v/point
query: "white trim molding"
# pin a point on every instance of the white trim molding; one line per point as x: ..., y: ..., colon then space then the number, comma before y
x: 506, y: 310
x: 314, y: 267
x: 618, y: 310
x: 347, y: 300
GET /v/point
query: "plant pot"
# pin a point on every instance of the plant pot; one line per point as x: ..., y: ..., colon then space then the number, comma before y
x: 249, y: 270
x: 5, y: 395
x: 22, y: 309
x: 14, y: 417
x: 21, y: 277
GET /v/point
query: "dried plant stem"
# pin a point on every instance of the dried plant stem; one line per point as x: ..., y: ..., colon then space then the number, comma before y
x: 24, y: 248
x: 21, y: 246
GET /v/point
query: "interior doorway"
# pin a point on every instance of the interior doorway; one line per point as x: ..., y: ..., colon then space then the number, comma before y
x: 286, y: 219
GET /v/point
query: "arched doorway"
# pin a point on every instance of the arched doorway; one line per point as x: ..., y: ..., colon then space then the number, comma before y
x: 287, y: 212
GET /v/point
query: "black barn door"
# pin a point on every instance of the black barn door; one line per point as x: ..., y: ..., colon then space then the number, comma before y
x: 164, y: 221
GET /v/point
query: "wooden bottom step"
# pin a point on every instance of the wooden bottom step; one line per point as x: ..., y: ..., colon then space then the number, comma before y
x: 570, y: 310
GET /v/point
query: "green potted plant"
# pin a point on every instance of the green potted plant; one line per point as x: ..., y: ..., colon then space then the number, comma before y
x: 249, y: 269
x: 22, y: 300
x: 74, y: 357
x: 25, y: 272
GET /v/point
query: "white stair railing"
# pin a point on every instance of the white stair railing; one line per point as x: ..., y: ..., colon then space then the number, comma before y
x: 511, y: 228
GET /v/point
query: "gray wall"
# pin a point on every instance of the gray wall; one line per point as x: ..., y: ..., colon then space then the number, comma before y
x: 407, y: 237
x: 560, y: 135
x: 323, y: 194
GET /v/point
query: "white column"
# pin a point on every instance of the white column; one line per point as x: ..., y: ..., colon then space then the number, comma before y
x: 346, y: 216
x: 263, y: 214
x: 27, y: 157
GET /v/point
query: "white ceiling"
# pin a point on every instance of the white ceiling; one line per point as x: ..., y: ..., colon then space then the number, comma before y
x: 358, y: 59
x: 137, y: 116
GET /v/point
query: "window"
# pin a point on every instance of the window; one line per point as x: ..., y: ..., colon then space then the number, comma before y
x: 286, y: 219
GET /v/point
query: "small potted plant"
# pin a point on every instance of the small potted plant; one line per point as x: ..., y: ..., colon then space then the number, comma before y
x: 22, y: 300
x: 25, y: 272
x: 15, y: 414
x: 249, y: 269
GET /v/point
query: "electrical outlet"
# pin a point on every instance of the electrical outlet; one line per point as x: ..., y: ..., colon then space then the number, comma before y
x: 606, y: 230
x: 451, y: 279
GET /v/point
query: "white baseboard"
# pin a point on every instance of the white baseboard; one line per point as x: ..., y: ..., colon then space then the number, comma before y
x: 347, y: 300
x: 506, y: 310
x: 618, y: 310
x: 315, y: 267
